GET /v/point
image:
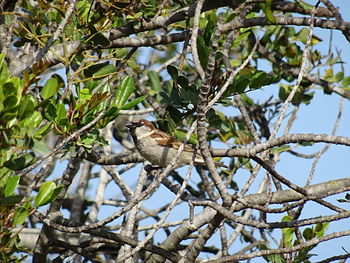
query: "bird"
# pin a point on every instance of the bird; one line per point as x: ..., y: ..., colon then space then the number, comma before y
x: 160, y: 148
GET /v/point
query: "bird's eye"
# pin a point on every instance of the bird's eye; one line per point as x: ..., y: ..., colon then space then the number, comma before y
x: 139, y: 124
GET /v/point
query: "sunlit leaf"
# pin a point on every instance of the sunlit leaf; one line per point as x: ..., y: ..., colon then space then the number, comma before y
x: 268, y: 12
x: 133, y: 103
x: 181, y: 135
x: 280, y: 149
x: 11, y: 185
x: 34, y: 120
x: 305, y: 5
x: 124, y: 90
x: 20, y: 216
x: 321, y: 228
x: 45, y: 193
x: 50, y: 88
x: 106, y: 70
x: 40, y: 147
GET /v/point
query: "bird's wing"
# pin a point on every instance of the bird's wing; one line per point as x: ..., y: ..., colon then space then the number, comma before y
x: 168, y: 141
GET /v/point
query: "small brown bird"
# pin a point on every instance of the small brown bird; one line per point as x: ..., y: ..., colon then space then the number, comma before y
x: 159, y: 147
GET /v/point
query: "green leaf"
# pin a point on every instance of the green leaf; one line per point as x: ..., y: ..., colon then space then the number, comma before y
x: 11, y: 200
x: 304, y: 5
x: 11, y: 185
x: 302, y: 35
x: 321, y: 229
x: 5, y: 174
x: 100, y: 39
x: 203, y: 52
x: 43, y: 130
x: 175, y: 116
x: 10, y: 117
x: 243, y: 35
x: 40, y: 147
x: 262, y: 247
x: 181, y: 135
x: 133, y: 103
x: 238, y: 86
x: 26, y: 107
x: 339, y: 76
x: 61, y: 112
x: 10, y: 102
x: 174, y: 97
x: 84, y: 94
x: 105, y: 71
x: 9, y: 89
x: 112, y: 111
x: 50, y: 111
x: 218, y: 120
x: 137, y: 24
x: 208, y: 32
x: 306, y: 98
x: 306, y: 143
x: 63, y: 121
x: 90, y: 71
x: 342, y: 200
x: 2, y: 57
x: 189, y: 95
x: 50, y: 88
x: 21, y: 162
x: 275, y: 258
x: 259, y: 79
x: 87, y: 119
x: 34, y: 120
x: 56, y: 192
x: 308, y: 234
x: 132, y: 17
x: 284, y: 91
x: 28, y: 141
x: 247, y: 100
x: 20, y: 216
x: 155, y: 81
x: 268, y: 12
x: 346, y: 81
x: 286, y: 219
x: 45, y: 193
x: 183, y: 82
x: 288, y: 234
x: 173, y: 72
x: 126, y: 87
x: 280, y: 149
x: 87, y: 139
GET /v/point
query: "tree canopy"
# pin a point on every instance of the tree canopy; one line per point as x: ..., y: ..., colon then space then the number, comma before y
x: 231, y: 78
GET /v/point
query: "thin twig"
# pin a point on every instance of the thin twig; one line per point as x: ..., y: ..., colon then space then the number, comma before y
x: 194, y: 37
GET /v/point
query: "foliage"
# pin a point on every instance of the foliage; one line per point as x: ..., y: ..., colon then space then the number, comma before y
x: 73, y: 73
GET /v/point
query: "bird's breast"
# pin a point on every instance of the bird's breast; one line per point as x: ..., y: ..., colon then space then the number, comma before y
x: 155, y: 153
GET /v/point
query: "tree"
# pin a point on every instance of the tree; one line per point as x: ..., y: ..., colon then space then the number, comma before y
x: 73, y: 73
